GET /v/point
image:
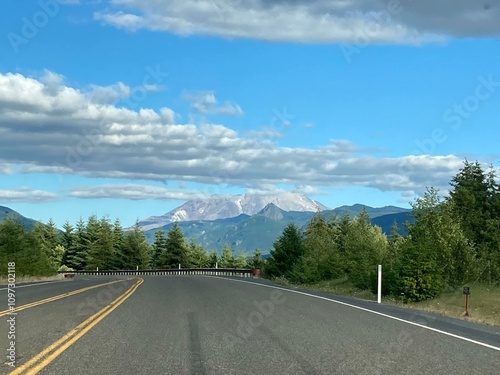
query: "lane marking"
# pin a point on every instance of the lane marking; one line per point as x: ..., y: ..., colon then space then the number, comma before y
x: 55, y: 298
x: 497, y: 348
x: 46, y: 356
x: 43, y: 283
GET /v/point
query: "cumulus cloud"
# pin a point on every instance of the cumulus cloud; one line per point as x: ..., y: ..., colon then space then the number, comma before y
x: 64, y: 131
x: 310, y: 21
x: 133, y: 192
x: 206, y: 103
x: 26, y: 195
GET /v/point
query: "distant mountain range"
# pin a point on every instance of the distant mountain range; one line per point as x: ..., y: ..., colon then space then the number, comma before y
x: 6, y: 212
x: 245, y: 232
x: 247, y: 222
x: 228, y: 206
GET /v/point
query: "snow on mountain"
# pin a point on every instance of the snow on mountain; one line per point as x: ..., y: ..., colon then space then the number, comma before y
x: 222, y: 207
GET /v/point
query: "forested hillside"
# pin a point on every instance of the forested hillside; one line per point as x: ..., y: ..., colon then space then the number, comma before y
x: 452, y: 241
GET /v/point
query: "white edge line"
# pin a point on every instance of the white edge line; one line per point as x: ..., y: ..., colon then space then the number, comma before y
x: 368, y: 310
x: 35, y: 284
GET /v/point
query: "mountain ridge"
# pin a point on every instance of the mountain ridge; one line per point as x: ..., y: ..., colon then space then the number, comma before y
x: 227, y: 206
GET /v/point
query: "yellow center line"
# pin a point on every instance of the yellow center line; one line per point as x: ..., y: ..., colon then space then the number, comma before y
x: 55, y: 298
x: 45, y: 357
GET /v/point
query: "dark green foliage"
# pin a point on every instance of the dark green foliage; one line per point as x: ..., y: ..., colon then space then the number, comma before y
x: 476, y: 204
x: 321, y: 258
x: 24, y: 248
x: 175, y: 251
x: 365, y: 247
x: 136, y: 251
x: 256, y: 260
x: 197, y: 256
x: 159, y: 248
x: 288, y: 249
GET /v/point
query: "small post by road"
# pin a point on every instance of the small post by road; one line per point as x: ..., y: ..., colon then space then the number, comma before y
x: 379, y: 288
x: 216, y: 265
x: 179, y: 266
x: 467, y: 306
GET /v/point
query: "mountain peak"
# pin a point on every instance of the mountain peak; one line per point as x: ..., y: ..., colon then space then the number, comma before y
x: 227, y: 206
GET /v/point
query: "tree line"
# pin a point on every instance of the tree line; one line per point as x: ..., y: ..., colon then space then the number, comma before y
x: 101, y: 244
x: 453, y: 240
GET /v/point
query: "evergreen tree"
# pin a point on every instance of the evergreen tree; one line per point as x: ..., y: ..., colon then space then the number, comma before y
x: 102, y: 250
x: 81, y: 246
x: 197, y: 256
x: 227, y: 257
x: 118, y: 244
x: 366, y: 246
x: 136, y: 251
x: 256, y: 261
x: 286, y: 252
x: 67, y: 240
x: 436, y: 253
x: 159, y: 249
x: 321, y: 259
x: 175, y: 249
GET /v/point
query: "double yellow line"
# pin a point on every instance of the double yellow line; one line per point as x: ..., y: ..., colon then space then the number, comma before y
x: 45, y: 357
x: 55, y: 298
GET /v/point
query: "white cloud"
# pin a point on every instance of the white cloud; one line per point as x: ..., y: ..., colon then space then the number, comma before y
x: 26, y: 195
x: 133, y: 192
x: 63, y: 131
x: 310, y: 21
x: 206, y: 103
x: 5, y: 169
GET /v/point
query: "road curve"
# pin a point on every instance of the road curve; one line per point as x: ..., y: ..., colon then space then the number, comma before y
x: 210, y: 325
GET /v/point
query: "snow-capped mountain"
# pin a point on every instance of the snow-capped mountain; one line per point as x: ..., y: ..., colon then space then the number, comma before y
x: 223, y: 207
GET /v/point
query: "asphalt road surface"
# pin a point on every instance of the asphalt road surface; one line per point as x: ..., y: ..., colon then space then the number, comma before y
x: 211, y: 325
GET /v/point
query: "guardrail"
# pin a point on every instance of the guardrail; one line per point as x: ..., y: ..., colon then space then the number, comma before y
x: 238, y: 272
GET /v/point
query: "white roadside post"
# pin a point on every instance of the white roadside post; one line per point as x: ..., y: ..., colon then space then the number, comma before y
x: 379, y: 298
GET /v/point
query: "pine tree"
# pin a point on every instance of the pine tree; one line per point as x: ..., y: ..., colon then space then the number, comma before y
x: 321, y: 259
x: 136, y: 251
x: 118, y: 243
x: 159, y: 249
x: 366, y: 246
x: 67, y: 240
x: 102, y: 251
x: 175, y: 249
x: 81, y: 246
x: 227, y: 257
x: 256, y: 261
x: 197, y: 256
x: 286, y: 252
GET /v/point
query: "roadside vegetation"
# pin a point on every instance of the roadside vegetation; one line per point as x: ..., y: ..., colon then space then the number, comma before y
x: 454, y: 242
x: 101, y: 244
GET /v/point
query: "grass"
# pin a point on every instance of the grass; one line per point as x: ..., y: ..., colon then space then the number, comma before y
x: 484, y: 304
x: 484, y: 299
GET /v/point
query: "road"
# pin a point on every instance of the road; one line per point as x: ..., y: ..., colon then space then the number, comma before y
x: 211, y: 325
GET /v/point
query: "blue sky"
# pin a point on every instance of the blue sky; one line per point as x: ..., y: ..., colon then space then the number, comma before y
x: 129, y: 108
